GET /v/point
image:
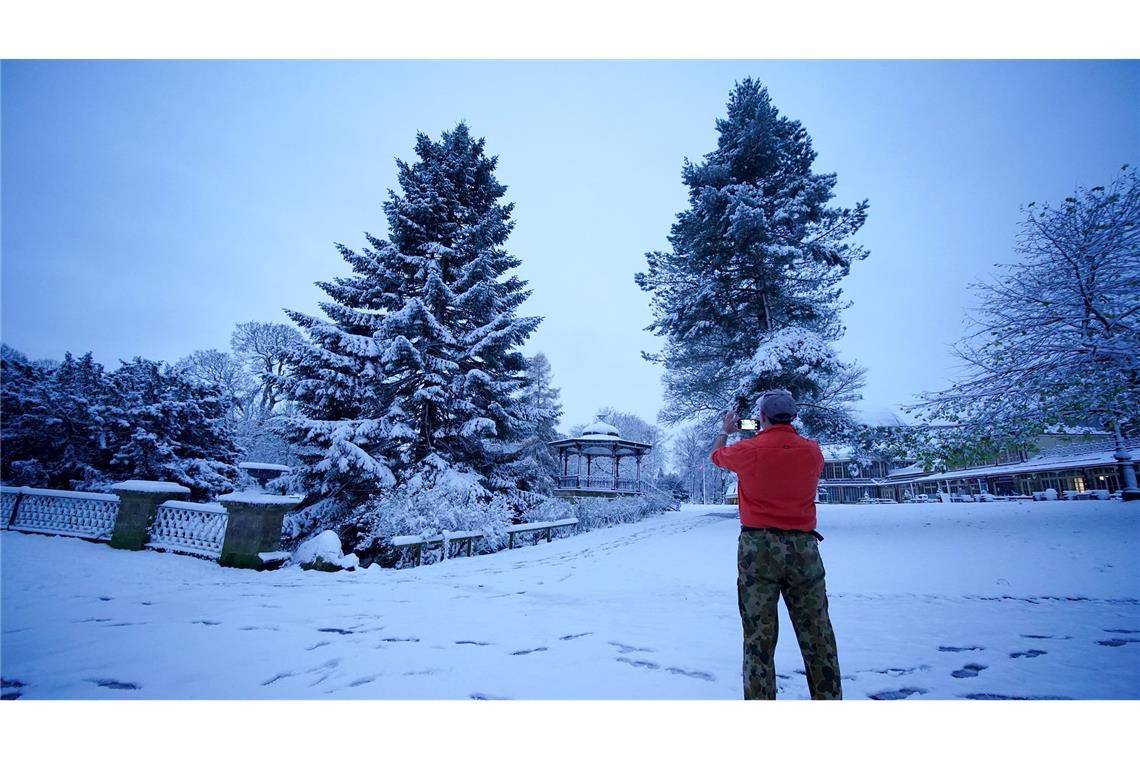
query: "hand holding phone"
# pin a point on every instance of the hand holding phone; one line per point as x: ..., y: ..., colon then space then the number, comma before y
x: 745, y: 424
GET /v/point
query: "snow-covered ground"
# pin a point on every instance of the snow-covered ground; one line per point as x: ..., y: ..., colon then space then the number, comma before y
x: 936, y: 601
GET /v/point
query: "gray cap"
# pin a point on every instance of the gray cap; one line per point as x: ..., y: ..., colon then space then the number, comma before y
x: 778, y: 406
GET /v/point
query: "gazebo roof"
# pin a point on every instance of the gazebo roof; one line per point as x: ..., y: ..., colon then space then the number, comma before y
x: 600, y: 428
x: 600, y: 439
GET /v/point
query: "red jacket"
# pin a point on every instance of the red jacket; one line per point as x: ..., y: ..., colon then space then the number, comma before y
x: 778, y: 472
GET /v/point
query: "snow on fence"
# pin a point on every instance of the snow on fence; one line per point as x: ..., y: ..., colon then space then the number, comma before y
x: 61, y: 513
x: 8, y: 497
x: 179, y: 526
x: 539, y: 527
x: 189, y: 528
x: 242, y: 530
x: 445, y: 540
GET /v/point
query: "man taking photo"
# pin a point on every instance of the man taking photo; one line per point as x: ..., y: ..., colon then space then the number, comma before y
x: 778, y: 553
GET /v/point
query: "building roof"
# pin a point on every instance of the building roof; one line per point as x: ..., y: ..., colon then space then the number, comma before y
x: 836, y: 452
x: 1067, y: 457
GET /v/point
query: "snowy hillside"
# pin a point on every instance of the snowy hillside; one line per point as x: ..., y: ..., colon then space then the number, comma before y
x: 934, y: 601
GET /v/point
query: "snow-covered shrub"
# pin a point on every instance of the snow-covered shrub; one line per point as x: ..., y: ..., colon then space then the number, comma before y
x: 323, y: 552
x: 438, y: 498
x: 595, y: 512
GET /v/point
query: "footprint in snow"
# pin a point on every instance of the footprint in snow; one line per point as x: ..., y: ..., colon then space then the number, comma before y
x: 110, y: 683
x: 11, y: 688
x: 341, y: 631
x: 476, y: 643
x: 987, y: 695
x: 692, y: 674
x: 480, y: 695
x: 960, y: 649
x: 1028, y: 653
x: 318, y: 645
x: 529, y: 651
x: 1043, y: 636
x: 277, y: 678
x: 969, y: 671
x: 208, y: 622
x: 570, y: 636
x: 639, y: 663
x: 627, y: 649
x: 362, y: 681
x: 902, y: 693
x: 1118, y: 642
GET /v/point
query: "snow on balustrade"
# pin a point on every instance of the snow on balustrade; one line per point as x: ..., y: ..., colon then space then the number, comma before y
x: 8, y: 496
x: 66, y: 513
x: 150, y: 486
x: 259, y: 499
x: 189, y: 528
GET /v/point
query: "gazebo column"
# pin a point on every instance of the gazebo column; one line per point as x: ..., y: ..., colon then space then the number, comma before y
x: 589, y: 468
x: 637, y: 459
x: 617, y: 469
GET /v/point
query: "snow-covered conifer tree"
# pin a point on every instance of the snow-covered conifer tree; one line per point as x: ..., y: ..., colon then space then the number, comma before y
x: 74, y: 425
x: 543, y: 407
x: 412, y: 385
x: 748, y: 299
x: 163, y: 427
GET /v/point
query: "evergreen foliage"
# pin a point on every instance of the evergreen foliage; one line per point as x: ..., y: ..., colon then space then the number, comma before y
x: 413, y: 382
x: 74, y: 425
x: 538, y: 471
x: 748, y: 298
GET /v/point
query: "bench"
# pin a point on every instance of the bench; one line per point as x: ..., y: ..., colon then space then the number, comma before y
x: 543, y: 527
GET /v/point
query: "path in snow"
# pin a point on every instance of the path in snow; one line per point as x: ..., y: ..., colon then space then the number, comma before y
x: 956, y: 601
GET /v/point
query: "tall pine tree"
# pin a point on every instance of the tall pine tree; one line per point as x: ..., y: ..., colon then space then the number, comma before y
x: 748, y: 299
x: 413, y: 381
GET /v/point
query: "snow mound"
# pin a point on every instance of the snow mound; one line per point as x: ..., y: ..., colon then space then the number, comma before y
x: 323, y: 552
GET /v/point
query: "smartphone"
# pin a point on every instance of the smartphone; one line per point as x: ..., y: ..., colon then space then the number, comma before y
x: 747, y: 425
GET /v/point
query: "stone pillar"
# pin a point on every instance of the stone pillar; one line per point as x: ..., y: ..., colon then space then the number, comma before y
x: 1129, y: 490
x: 138, y: 503
x: 253, y: 526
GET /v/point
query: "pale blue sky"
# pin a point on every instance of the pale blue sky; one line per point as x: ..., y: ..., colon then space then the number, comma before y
x: 149, y: 206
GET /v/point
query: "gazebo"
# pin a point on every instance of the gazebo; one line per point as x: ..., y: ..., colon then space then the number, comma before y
x: 599, y: 441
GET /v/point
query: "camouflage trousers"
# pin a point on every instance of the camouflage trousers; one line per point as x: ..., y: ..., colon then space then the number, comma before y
x: 772, y: 564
